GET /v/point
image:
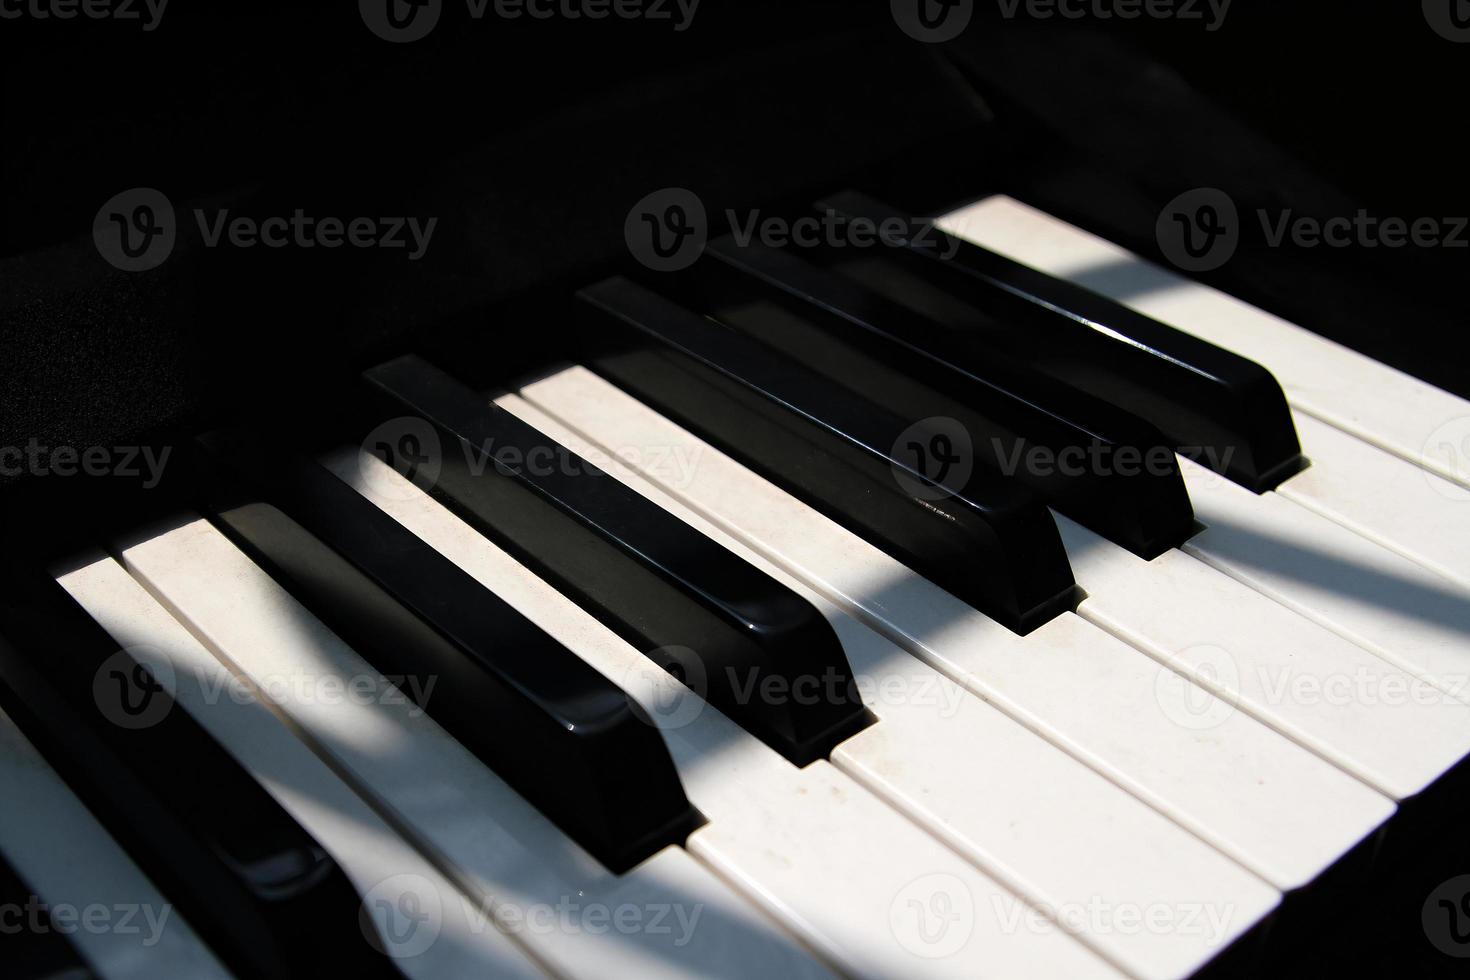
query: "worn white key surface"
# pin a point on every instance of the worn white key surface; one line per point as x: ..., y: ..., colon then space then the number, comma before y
x: 1375, y: 597
x: 849, y: 874
x: 1264, y: 800
x: 678, y: 919
x: 455, y: 938
x: 1357, y: 394
x: 1389, y: 728
x: 61, y: 850
x: 1385, y: 498
x: 1043, y: 823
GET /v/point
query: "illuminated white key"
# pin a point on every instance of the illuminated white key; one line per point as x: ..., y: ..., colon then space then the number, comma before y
x: 1038, y: 820
x: 1262, y: 799
x: 446, y: 935
x: 1382, y: 497
x: 55, y: 843
x: 1387, y: 727
x: 858, y: 881
x: 1375, y: 597
x: 1357, y: 394
x: 668, y: 917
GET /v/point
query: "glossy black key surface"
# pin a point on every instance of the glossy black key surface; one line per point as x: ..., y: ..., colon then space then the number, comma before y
x: 1221, y: 409
x: 1099, y: 465
x: 256, y: 887
x: 730, y: 631
x: 565, y: 737
x: 990, y: 542
x: 31, y: 948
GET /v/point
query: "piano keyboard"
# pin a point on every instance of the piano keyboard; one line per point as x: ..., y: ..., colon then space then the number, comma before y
x: 699, y: 657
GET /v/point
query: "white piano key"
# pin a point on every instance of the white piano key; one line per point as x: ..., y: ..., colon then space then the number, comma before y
x: 122, y: 926
x: 1405, y: 416
x: 1038, y: 820
x: 1382, y: 497
x: 456, y: 939
x: 1392, y: 730
x: 1375, y: 597
x: 811, y: 846
x: 669, y: 917
x: 1267, y: 802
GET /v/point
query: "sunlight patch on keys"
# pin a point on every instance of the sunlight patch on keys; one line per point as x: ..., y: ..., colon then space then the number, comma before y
x: 1264, y: 800
x: 459, y: 814
x: 1357, y: 394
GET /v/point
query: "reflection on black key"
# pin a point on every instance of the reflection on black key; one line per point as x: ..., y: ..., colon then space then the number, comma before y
x: 565, y: 737
x: 765, y: 656
x: 256, y: 887
x: 1099, y: 465
x: 30, y: 946
x: 1224, y: 411
x: 910, y: 489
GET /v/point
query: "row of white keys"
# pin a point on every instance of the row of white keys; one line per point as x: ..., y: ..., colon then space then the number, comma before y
x: 875, y: 893
x: 1413, y: 420
x: 1058, y: 833
x: 1390, y: 500
x: 1369, y: 594
x: 1269, y: 803
x: 1389, y: 728
x: 427, y: 926
x: 1376, y: 487
x: 101, y: 902
x: 669, y: 917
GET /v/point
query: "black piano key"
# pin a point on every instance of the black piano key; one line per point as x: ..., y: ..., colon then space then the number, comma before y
x: 30, y: 945
x: 659, y: 583
x: 1221, y: 409
x: 565, y: 737
x: 259, y: 890
x: 1101, y: 466
x: 990, y: 542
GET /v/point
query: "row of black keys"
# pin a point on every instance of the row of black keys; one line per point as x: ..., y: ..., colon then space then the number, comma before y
x: 809, y: 369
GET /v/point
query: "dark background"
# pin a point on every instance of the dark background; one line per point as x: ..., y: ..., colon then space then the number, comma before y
x: 530, y: 140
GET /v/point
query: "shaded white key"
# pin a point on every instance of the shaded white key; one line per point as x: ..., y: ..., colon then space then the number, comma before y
x: 1262, y: 799
x: 677, y: 919
x: 812, y: 846
x: 1375, y: 597
x: 55, y: 843
x: 1385, y: 498
x: 455, y: 937
x: 1357, y: 394
x: 1041, y: 822
x: 1387, y: 727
